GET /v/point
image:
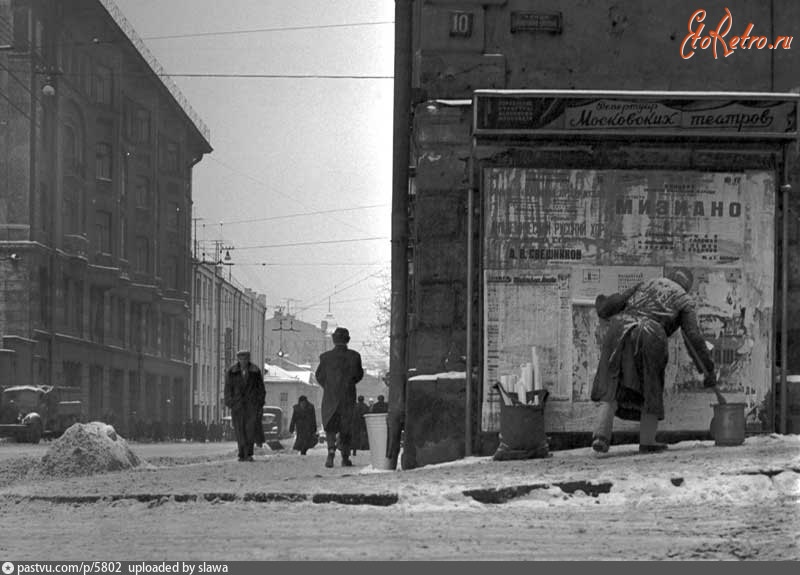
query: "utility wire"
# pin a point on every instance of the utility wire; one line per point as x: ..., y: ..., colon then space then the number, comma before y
x: 240, y: 76
x: 264, y: 246
x: 279, y: 76
x: 263, y: 30
x: 341, y: 289
x: 302, y: 214
x: 13, y: 105
x: 320, y: 299
x: 314, y: 264
x: 99, y: 41
x: 278, y: 192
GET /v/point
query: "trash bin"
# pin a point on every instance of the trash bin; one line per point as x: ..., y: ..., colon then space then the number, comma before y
x: 378, y: 434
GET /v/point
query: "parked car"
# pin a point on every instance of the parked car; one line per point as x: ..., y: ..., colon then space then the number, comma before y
x: 272, y: 420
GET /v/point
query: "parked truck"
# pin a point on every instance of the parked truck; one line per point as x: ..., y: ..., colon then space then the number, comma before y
x: 30, y: 412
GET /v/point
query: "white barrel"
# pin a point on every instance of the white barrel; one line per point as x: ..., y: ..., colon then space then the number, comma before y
x: 378, y: 434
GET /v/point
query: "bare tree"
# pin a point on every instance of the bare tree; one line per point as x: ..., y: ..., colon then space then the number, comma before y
x: 379, y: 332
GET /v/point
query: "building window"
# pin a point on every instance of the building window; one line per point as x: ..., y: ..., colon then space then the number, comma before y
x: 171, y: 273
x: 118, y: 318
x: 65, y: 296
x: 123, y: 237
x: 142, y: 260
x: 38, y: 38
x: 21, y: 24
x: 103, y: 161
x: 44, y: 297
x: 137, y: 122
x: 142, y: 192
x: 141, y: 126
x: 170, y: 157
x: 136, y: 325
x: 173, y: 215
x: 44, y: 207
x: 123, y: 178
x: 97, y: 314
x: 102, y: 224
x: 102, y: 85
x: 73, y: 157
x: 72, y: 212
x: 77, y: 294
x: 166, y: 339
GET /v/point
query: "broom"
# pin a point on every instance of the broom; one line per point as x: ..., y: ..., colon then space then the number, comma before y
x: 696, y: 358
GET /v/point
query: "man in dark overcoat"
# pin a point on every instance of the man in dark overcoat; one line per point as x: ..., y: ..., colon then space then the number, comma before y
x: 338, y: 373
x: 380, y: 406
x: 244, y: 396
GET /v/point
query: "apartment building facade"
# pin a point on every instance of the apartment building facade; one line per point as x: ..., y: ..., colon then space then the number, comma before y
x: 96, y: 159
x: 227, y: 317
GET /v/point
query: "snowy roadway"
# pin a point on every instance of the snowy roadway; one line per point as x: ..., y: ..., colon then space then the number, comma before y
x: 696, y: 501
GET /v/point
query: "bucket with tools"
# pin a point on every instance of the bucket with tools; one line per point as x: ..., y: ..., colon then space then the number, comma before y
x: 728, y: 424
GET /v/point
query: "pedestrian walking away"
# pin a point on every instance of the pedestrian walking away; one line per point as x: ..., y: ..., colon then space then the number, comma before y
x: 380, y: 406
x: 360, y: 439
x: 338, y: 373
x: 244, y: 396
x: 629, y: 382
x: 304, y: 422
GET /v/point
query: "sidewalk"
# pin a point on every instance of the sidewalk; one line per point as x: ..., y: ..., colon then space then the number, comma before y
x: 765, y: 467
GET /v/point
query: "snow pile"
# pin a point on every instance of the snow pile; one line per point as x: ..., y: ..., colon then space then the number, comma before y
x: 85, y: 449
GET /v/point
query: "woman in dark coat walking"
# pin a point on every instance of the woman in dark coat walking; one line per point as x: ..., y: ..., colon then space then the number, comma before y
x: 360, y: 438
x: 304, y: 422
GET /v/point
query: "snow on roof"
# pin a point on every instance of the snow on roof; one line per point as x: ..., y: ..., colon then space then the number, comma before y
x: 274, y: 371
x: 23, y: 388
x: 435, y: 376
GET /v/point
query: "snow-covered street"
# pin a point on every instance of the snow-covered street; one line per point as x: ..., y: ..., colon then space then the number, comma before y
x: 694, y: 501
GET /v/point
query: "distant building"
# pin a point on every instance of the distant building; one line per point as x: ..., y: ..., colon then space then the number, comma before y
x: 226, y: 318
x: 96, y: 160
x: 298, y: 341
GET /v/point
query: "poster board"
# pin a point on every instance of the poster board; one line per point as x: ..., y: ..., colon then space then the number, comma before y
x: 555, y: 239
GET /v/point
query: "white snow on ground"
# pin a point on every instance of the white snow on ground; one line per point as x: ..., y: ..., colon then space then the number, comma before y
x: 369, y: 469
x: 684, y: 475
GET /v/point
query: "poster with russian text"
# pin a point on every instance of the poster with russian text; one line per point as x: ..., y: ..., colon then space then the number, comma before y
x: 556, y: 239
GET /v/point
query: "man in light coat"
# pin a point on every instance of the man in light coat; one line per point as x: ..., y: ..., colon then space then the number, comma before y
x: 338, y: 373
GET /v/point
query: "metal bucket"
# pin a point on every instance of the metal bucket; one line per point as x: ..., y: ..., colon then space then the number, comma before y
x: 728, y: 424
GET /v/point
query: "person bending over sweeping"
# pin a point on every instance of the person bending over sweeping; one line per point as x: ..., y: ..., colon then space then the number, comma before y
x: 629, y: 382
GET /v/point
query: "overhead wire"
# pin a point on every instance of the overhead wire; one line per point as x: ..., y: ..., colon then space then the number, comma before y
x: 311, y: 243
x: 99, y: 41
x: 302, y: 214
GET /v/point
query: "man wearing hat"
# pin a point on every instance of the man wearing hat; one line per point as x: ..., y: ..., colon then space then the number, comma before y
x: 338, y: 373
x: 629, y: 382
x: 244, y: 396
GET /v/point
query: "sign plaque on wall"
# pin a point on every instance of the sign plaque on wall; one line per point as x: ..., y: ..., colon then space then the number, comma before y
x: 461, y: 24
x: 536, y: 22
